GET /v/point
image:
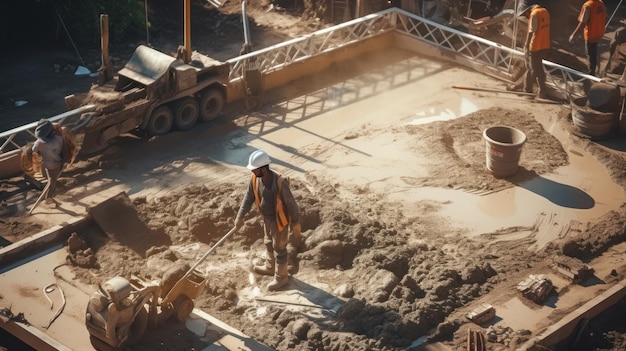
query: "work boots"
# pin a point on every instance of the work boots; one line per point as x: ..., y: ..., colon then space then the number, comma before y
x: 543, y: 89
x: 281, y: 277
x: 267, y: 268
x: 293, y: 263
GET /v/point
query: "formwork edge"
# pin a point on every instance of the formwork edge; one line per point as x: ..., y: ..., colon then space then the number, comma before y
x: 42, y: 239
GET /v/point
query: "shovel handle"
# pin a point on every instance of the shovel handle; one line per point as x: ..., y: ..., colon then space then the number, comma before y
x: 492, y: 90
x: 41, y: 196
x: 44, y: 192
x: 218, y: 243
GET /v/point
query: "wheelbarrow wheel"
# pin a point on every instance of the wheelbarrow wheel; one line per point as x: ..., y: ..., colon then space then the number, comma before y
x: 183, y: 306
x: 101, y: 345
x: 138, y: 328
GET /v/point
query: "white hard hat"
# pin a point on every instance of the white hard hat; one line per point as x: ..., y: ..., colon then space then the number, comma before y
x: 258, y: 159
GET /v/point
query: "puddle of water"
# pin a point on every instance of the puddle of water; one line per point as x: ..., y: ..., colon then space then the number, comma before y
x: 465, y: 107
x: 514, y: 313
x: 480, y: 214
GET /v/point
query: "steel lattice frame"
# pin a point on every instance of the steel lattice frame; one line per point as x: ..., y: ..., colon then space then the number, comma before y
x: 496, y: 56
x: 16, y: 138
x: 479, y: 50
x: 300, y: 49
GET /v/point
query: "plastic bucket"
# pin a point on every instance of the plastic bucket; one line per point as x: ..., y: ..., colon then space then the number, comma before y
x: 503, y: 149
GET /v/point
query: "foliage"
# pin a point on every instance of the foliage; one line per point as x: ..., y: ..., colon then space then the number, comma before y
x: 38, y: 23
x: 82, y: 18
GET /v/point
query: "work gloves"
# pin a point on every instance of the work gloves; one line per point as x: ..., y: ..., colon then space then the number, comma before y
x: 295, y: 237
x: 294, y: 246
x: 238, y: 223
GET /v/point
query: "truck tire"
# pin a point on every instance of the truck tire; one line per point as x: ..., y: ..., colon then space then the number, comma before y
x: 211, y: 105
x: 186, y: 113
x: 161, y: 121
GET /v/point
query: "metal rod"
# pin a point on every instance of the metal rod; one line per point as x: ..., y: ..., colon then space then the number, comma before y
x: 145, y: 5
x: 493, y: 90
x: 246, y: 30
x: 61, y: 116
x: 187, y: 30
x: 611, y: 18
x: 290, y: 303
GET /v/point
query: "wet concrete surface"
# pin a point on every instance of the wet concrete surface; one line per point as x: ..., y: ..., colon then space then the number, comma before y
x: 293, y: 130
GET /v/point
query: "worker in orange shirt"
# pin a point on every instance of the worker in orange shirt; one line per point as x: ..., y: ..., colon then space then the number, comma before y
x: 593, y: 18
x: 535, y: 47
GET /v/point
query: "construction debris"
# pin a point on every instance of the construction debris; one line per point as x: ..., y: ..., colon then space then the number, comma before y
x: 79, y: 253
x: 536, y: 288
x: 482, y: 314
x: 572, y: 268
x: 476, y: 340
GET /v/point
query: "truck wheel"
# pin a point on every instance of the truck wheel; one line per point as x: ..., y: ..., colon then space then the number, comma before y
x: 186, y: 113
x: 161, y: 121
x: 183, y: 306
x: 211, y: 105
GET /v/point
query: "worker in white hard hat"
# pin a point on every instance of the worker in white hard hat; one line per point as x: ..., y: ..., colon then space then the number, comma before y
x: 278, y: 208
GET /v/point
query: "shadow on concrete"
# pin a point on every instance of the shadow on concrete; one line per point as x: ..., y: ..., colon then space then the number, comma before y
x: 557, y: 193
x: 594, y: 280
x: 615, y: 143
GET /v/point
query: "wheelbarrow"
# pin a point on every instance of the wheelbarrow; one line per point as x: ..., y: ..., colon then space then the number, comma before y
x: 179, y: 299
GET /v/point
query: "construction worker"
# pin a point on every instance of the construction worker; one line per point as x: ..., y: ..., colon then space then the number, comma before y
x: 51, y: 147
x: 618, y: 39
x: 593, y: 18
x: 275, y: 6
x: 535, y: 48
x: 278, y: 208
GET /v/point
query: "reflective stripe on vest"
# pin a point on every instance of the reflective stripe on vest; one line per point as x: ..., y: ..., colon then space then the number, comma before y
x: 541, y: 39
x: 282, y: 220
x: 594, y: 30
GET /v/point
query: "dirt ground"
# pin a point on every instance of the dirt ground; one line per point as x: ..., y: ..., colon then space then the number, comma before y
x: 392, y: 272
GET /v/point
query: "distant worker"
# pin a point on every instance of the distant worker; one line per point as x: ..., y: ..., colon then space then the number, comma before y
x: 535, y: 48
x: 593, y: 18
x: 275, y: 6
x: 618, y: 39
x: 277, y: 206
x: 53, y: 151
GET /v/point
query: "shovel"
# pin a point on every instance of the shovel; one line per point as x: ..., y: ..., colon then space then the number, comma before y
x: 44, y: 192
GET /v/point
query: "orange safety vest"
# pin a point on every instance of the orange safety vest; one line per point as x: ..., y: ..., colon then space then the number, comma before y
x: 282, y: 220
x: 541, y: 38
x: 594, y: 28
